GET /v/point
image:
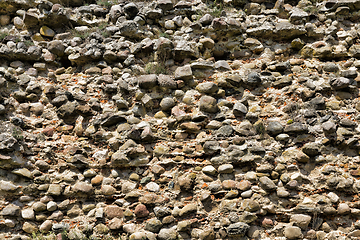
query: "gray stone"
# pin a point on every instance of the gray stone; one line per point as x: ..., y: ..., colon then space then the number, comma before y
x: 298, y: 16
x: 210, y: 147
x: 292, y: 232
x: 82, y: 187
x: 129, y: 29
x: 130, y: 10
x: 51, y: 206
x: 46, y: 226
x: 222, y: 65
x: 311, y: 149
x: 2, y: 110
x: 147, y: 81
x: 224, y: 131
x: 161, y: 211
x: 56, y: 47
x: 343, y: 209
x: 208, y: 104
x: 239, y: 109
x: 153, y: 225
x: 296, y: 128
x: 167, y: 234
x: 206, y: 19
x: 300, y: 220
x: 282, y: 82
x: 354, y: 51
x: 274, y: 128
x: 39, y: 207
x: 253, y: 79
x: 166, y: 81
x: 188, y: 209
x: 10, y: 210
x: 54, y: 189
x: 184, y: 73
x: 237, y: 229
x: 7, y: 142
x: 7, y: 186
x: 31, y: 19
x: 28, y: 214
x: 153, y: 187
x: 165, y: 5
x: 115, y: 224
x: 184, y: 49
x: 184, y: 226
x: 207, y: 87
x: 210, y: 170
x: 138, y: 236
x: 339, y: 83
x: 29, y: 227
x: 286, y: 30
x: 266, y: 183
x: 167, y: 103
x: 226, y: 168
x: 331, y: 67
x: 329, y: 127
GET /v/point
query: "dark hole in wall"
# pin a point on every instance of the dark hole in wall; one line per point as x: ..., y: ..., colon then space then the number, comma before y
x: 65, y: 62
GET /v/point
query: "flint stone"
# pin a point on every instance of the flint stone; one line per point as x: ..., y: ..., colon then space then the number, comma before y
x: 167, y: 234
x: 7, y: 186
x: 296, y: 128
x: 46, y: 226
x: 147, y: 81
x: 292, y: 232
x: 329, y: 127
x: 301, y: 220
x: 10, y: 210
x: 239, y: 109
x: 83, y: 187
x: 166, y: 81
x: 141, y: 211
x: 208, y: 104
x: 153, y: 225
x: 7, y: 142
x: 253, y: 79
x: 207, y: 87
x: 340, y: 83
x: 267, y: 184
x: 28, y: 214
x: 167, y: 103
x: 188, y: 209
x: 113, y: 211
x: 274, y: 128
x: 29, y: 227
x: 184, y: 73
x: 238, y: 229
x: 210, y: 170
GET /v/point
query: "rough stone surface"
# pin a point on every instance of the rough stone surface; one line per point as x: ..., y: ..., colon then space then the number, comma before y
x: 179, y: 119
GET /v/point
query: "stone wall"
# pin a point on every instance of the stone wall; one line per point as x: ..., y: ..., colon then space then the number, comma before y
x: 176, y: 120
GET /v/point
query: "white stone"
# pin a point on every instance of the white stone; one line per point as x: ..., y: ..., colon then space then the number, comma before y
x: 28, y: 214
x: 209, y: 170
x: 51, y: 206
x: 153, y: 187
x: 9, y: 223
x: 333, y: 197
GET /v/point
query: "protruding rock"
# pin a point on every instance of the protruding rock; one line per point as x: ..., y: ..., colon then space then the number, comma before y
x: 208, y: 104
x: 47, y: 32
